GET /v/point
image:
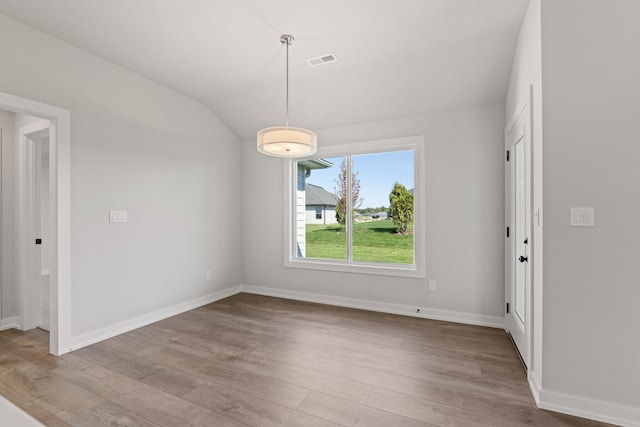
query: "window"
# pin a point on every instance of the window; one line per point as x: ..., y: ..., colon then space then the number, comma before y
x: 376, y: 190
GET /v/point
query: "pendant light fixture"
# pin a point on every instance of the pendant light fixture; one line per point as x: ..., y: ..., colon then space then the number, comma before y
x: 285, y: 141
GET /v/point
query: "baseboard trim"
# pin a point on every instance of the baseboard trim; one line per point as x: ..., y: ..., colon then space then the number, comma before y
x: 404, y: 310
x: 10, y: 323
x: 107, y: 332
x: 588, y: 408
x: 583, y: 407
x: 534, y: 385
x: 111, y: 331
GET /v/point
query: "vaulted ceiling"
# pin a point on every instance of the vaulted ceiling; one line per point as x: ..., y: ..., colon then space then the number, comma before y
x: 395, y: 57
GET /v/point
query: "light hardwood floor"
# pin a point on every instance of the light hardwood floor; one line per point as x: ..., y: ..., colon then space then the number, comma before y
x: 253, y: 360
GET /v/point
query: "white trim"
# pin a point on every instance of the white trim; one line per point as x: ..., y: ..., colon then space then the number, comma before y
x: 45, y: 271
x: 534, y: 385
x: 519, y: 128
x: 60, y: 146
x: 588, y: 408
x: 583, y: 407
x: 416, y: 270
x: 537, y: 249
x: 107, y: 332
x: 11, y: 323
x: 404, y: 310
x: 514, y: 117
x: 396, y: 270
x: 111, y: 331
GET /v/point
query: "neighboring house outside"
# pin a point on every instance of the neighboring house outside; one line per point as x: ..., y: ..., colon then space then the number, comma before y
x: 304, y: 171
x: 320, y: 205
x: 380, y: 215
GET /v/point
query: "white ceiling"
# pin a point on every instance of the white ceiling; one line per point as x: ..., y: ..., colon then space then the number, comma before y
x: 396, y: 57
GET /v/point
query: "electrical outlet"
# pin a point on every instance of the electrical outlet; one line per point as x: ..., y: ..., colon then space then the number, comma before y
x: 208, y: 274
x: 432, y: 285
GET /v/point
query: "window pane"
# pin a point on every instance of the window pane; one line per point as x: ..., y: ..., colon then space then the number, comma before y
x: 377, y: 237
x: 318, y: 232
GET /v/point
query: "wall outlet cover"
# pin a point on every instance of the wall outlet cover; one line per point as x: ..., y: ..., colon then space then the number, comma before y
x: 583, y: 217
x: 118, y: 216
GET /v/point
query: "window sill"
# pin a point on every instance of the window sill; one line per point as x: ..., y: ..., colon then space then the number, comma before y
x: 397, y: 270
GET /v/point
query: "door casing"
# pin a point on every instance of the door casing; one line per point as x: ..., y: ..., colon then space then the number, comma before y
x: 60, y: 232
x: 518, y: 129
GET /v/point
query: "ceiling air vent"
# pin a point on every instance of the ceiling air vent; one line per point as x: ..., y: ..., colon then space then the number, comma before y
x: 324, y: 59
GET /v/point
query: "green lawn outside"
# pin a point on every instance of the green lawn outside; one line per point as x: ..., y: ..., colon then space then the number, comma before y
x: 374, y: 241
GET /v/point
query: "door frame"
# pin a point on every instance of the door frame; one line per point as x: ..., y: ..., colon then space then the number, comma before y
x: 60, y: 232
x: 29, y: 219
x: 520, y: 117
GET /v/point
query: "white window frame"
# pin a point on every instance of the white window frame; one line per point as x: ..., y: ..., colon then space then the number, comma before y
x: 417, y: 270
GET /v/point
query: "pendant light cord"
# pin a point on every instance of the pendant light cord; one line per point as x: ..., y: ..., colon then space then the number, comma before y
x: 287, y: 43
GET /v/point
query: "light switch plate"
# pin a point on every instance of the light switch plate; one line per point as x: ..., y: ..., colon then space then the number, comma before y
x: 118, y: 216
x: 583, y: 217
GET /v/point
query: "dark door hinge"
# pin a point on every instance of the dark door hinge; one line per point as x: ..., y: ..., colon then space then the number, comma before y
x: 507, y: 155
x: 507, y: 308
x: 507, y: 231
x: 38, y: 241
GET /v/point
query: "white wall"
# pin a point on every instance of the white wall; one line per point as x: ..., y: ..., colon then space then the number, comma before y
x: 140, y: 147
x: 590, y: 69
x: 7, y: 205
x: 464, y: 217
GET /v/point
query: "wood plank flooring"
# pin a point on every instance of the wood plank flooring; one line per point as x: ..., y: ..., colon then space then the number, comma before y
x: 260, y: 361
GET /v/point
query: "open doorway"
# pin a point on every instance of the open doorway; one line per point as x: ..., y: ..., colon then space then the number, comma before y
x: 34, y: 221
x: 40, y: 268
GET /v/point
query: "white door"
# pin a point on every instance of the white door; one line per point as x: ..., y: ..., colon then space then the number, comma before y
x: 518, y: 240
